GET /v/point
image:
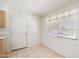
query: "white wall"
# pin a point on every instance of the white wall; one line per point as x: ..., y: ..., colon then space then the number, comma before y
x: 66, y: 47
x: 34, y: 30
x: 2, y: 5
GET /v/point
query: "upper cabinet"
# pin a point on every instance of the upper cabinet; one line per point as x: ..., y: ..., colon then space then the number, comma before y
x: 2, y: 19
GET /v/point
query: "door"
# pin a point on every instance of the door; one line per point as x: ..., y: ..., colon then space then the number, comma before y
x: 18, y: 32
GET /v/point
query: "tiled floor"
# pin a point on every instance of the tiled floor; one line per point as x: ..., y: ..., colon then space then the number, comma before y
x: 38, y: 51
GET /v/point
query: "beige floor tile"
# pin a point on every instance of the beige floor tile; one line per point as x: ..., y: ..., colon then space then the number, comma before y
x: 38, y: 51
x: 12, y: 54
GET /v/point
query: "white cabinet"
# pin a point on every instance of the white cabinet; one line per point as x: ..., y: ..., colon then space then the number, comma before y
x: 18, y: 32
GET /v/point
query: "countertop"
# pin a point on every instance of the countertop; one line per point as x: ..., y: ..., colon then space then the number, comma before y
x: 2, y: 36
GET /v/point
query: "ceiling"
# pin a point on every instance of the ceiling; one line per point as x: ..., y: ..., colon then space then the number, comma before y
x: 38, y: 7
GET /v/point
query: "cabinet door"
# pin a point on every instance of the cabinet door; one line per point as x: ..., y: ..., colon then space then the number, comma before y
x: 2, y: 19
x: 2, y: 48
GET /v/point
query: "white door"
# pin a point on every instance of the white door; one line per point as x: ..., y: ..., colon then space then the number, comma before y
x: 18, y: 32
